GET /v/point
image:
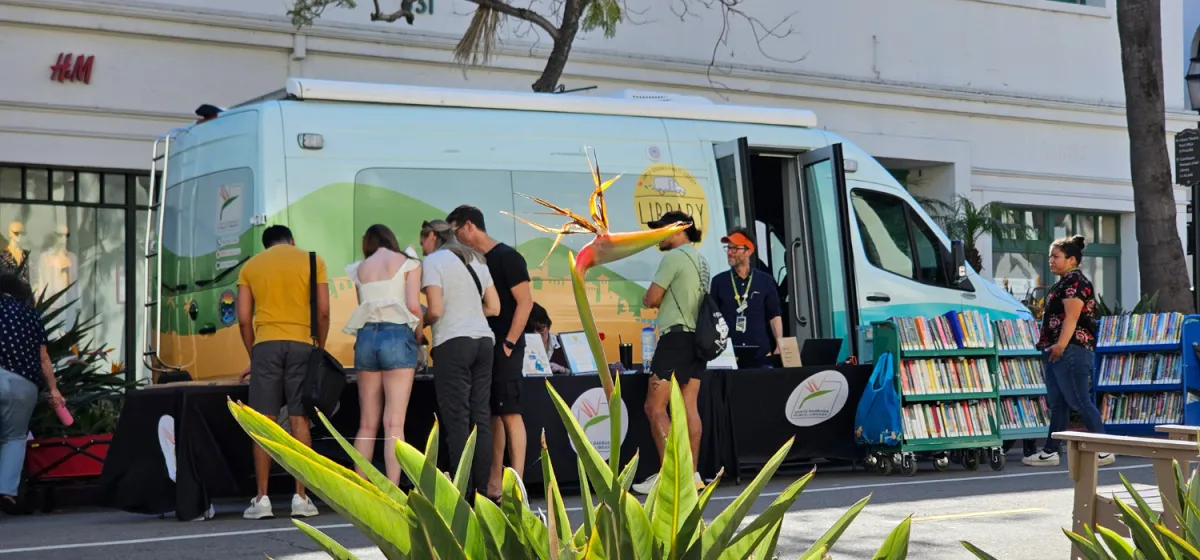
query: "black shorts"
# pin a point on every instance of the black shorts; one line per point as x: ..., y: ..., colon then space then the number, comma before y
x: 507, y: 378
x: 676, y: 353
x: 277, y: 372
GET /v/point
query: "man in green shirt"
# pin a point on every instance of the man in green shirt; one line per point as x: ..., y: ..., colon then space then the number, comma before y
x: 676, y: 292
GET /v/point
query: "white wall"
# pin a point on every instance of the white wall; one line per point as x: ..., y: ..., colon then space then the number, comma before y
x: 1016, y: 100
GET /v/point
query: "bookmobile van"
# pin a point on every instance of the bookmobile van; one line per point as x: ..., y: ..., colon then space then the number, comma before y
x: 844, y: 241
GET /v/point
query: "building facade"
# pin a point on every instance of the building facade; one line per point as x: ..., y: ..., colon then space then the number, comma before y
x: 1011, y: 101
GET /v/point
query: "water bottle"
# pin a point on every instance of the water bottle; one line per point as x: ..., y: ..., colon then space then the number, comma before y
x: 649, y: 341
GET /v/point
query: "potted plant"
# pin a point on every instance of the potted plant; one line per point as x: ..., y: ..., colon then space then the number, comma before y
x: 93, y: 387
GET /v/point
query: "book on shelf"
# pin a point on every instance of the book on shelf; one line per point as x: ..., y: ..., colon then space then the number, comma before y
x: 949, y: 419
x: 1141, y: 408
x: 1022, y: 373
x: 1147, y: 328
x: 1017, y: 334
x: 937, y: 376
x: 954, y: 330
x: 1018, y: 413
x: 1140, y: 369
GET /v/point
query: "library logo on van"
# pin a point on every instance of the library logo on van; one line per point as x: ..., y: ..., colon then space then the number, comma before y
x: 229, y: 209
x: 591, y: 411
x: 663, y: 187
x: 817, y: 399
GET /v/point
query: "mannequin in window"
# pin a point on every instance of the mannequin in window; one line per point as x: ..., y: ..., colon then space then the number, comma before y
x: 57, y: 269
x: 13, y: 257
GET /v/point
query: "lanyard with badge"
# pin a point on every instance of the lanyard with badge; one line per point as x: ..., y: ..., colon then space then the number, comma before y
x: 742, y: 299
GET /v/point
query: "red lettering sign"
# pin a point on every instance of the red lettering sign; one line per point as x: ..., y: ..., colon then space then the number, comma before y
x: 71, y: 68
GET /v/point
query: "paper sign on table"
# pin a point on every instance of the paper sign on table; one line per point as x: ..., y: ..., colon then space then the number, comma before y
x: 536, y: 362
x: 789, y: 352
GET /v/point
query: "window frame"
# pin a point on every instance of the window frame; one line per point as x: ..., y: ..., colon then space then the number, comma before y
x: 910, y: 216
x: 1041, y: 245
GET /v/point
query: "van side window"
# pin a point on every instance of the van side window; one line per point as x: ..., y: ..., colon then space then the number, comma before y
x: 897, y: 240
x: 883, y: 224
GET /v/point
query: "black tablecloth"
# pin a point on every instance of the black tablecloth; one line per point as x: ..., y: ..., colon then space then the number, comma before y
x: 744, y: 414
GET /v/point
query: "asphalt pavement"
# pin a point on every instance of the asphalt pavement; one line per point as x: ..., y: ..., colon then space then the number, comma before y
x: 1016, y: 513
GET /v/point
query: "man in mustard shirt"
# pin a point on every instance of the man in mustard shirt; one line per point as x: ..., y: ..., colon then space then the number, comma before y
x: 273, y: 315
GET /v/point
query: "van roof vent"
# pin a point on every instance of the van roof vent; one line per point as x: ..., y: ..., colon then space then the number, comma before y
x: 642, y: 95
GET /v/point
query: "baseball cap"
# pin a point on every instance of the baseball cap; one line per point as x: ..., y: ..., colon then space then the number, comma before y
x: 670, y: 217
x: 739, y: 236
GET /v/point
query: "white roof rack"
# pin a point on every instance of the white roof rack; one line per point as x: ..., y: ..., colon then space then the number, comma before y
x: 642, y: 104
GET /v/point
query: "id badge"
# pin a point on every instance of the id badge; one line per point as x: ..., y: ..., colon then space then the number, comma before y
x: 740, y: 323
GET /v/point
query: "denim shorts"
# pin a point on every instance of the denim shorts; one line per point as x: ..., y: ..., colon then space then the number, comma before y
x: 385, y: 346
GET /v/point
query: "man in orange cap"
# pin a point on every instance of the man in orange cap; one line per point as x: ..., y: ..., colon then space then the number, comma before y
x: 749, y: 301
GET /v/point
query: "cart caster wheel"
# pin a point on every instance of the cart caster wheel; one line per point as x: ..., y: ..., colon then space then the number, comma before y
x: 970, y: 459
x: 908, y: 465
x: 883, y: 466
x: 941, y: 463
x: 870, y: 462
x: 997, y: 459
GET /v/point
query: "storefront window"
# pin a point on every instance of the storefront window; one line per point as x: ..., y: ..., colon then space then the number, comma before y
x: 75, y: 238
x: 1023, y: 263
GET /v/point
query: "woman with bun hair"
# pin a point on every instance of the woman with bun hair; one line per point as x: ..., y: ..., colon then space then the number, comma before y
x: 1068, y: 341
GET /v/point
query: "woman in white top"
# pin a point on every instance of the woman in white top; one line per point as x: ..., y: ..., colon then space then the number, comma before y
x: 459, y: 290
x: 385, y: 349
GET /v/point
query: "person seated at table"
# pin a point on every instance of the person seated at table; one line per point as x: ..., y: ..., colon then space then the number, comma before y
x: 749, y: 301
x: 273, y: 316
x: 385, y: 348
x: 539, y: 323
x: 25, y: 369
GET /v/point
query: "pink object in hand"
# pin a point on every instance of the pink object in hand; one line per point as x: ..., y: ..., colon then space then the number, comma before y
x: 64, y: 415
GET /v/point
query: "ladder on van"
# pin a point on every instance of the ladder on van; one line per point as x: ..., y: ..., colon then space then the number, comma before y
x: 152, y: 279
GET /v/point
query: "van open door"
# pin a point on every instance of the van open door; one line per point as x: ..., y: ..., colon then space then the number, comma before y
x: 733, y: 174
x: 823, y: 302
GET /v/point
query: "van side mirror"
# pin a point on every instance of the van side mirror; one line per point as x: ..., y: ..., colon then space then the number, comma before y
x: 958, y: 260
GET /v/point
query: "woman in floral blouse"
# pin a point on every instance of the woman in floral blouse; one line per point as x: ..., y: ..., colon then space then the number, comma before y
x: 1068, y: 341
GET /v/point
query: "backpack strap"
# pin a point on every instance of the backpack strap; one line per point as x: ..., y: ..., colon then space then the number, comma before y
x: 312, y: 296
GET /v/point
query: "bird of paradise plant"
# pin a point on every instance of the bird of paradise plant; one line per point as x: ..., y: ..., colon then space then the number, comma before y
x: 605, y: 247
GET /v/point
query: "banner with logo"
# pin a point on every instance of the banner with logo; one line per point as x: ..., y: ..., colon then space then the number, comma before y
x: 814, y: 404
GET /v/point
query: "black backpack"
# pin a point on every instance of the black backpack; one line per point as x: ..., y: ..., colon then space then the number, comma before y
x: 712, y: 333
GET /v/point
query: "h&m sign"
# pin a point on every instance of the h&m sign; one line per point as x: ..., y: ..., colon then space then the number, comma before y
x: 72, y: 68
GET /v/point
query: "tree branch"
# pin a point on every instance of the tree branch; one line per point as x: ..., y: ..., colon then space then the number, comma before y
x: 405, y: 12
x: 521, y: 14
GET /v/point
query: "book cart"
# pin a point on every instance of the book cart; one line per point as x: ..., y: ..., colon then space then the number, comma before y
x: 1023, y: 412
x: 946, y: 378
x: 1138, y: 374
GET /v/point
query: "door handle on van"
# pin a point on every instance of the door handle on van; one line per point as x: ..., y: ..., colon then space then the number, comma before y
x: 969, y: 296
x: 796, y: 246
x: 207, y: 330
x: 879, y: 297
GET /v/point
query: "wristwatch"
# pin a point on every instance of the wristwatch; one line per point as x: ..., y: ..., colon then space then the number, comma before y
x: 510, y: 345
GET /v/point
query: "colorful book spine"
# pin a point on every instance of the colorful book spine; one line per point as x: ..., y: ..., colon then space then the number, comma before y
x: 945, y: 376
x: 1018, y: 413
x: 1140, y: 369
x: 1149, y: 328
x: 1141, y: 408
x: 952, y: 331
x: 1025, y: 373
x: 1017, y: 334
x: 948, y: 419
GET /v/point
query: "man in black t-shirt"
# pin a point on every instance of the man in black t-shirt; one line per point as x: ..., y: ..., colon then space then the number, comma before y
x: 511, y: 277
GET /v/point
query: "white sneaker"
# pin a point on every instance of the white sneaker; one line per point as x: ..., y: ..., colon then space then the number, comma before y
x: 645, y: 487
x: 1041, y: 459
x: 699, y: 481
x: 260, y: 508
x: 210, y: 513
x: 303, y: 507
x: 1105, y: 459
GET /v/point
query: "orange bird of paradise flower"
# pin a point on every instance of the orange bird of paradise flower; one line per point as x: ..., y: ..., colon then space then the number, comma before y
x: 605, y: 247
